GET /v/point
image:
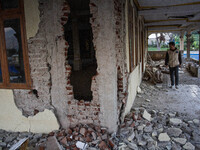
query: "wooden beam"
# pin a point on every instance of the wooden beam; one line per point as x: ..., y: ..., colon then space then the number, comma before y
x: 171, y: 10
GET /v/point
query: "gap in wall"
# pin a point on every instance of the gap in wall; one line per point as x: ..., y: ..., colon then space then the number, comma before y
x: 81, y: 53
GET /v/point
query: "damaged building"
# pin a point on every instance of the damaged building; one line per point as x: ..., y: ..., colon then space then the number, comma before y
x: 66, y: 62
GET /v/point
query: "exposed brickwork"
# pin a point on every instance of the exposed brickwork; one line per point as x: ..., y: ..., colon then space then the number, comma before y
x: 50, y: 71
x: 79, y: 111
x: 26, y: 100
x: 121, y: 55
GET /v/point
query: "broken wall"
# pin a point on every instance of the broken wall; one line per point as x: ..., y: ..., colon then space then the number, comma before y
x: 50, y: 71
x: 135, y: 76
x: 113, y: 87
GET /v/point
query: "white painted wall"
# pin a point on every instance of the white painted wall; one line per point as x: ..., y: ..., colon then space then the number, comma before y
x: 11, y: 118
x: 135, y: 77
x: 134, y: 81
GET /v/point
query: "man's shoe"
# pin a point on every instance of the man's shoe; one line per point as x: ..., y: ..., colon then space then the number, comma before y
x: 171, y: 86
x: 176, y: 86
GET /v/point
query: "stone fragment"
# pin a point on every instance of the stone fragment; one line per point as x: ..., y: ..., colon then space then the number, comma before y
x: 181, y: 141
x: 133, y: 146
x: 141, y: 127
x: 81, y: 145
x: 2, y: 144
x: 160, y: 130
x: 146, y: 115
x: 189, y: 146
x: 64, y: 141
x: 161, y: 113
x: 139, y: 90
x: 141, y: 143
x: 163, y: 137
x: 196, y: 121
x: 154, y: 133
x: 148, y: 129
x: 52, y: 143
x: 176, y: 146
x: 175, y: 132
x: 103, y: 145
x: 94, y: 135
x: 131, y: 137
x: 171, y: 115
x: 147, y: 100
x: 175, y: 121
x: 83, y: 131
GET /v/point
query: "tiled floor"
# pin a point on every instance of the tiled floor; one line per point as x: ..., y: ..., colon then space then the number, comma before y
x: 185, y: 100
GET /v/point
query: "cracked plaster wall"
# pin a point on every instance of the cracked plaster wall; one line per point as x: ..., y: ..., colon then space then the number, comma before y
x: 50, y: 71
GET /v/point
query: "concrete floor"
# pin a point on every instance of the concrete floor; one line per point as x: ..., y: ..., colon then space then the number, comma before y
x: 184, y: 101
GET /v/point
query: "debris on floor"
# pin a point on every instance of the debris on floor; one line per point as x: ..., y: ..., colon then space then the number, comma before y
x: 154, y: 71
x: 160, y: 131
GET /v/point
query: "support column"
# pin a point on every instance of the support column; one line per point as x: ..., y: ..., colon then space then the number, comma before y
x: 188, y: 44
x: 199, y: 46
x: 76, y: 45
x: 182, y: 41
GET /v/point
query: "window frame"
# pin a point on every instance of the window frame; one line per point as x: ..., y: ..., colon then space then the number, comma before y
x: 131, y: 37
x: 14, y: 13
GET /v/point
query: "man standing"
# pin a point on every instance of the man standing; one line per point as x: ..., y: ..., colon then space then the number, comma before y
x: 173, y: 60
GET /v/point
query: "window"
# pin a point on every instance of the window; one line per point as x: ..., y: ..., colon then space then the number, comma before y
x: 136, y: 39
x: 131, y: 39
x: 14, y: 66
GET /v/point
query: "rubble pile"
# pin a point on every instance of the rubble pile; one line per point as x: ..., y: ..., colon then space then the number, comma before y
x: 154, y: 71
x: 141, y: 130
x: 78, y: 137
x: 159, y: 131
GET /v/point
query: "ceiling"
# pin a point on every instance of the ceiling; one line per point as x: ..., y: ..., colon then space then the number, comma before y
x: 170, y: 15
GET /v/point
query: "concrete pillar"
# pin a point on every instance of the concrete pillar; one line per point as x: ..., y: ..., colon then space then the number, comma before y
x: 188, y: 44
x: 181, y: 42
x: 76, y: 45
x: 199, y: 46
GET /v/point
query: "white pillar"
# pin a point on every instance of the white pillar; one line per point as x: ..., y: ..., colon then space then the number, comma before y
x: 188, y: 44
x: 199, y: 47
x: 182, y: 42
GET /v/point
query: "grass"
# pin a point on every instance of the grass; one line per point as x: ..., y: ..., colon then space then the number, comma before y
x: 155, y: 49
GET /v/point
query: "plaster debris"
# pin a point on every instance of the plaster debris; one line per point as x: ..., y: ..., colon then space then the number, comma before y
x: 181, y: 141
x: 81, y: 145
x: 131, y: 137
x: 139, y: 90
x: 174, y: 132
x: 189, y: 146
x: 196, y: 121
x: 163, y: 137
x: 175, y: 121
x: 146, y: 115
x: 148, y: 100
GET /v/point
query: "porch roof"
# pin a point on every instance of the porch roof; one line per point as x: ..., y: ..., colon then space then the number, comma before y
x: 170, y: 15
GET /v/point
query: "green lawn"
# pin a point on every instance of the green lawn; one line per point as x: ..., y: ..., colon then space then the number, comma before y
x: 155, y: 49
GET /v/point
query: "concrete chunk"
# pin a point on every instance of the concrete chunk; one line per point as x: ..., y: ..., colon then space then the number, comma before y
x: 175, y: 121
x: 181, y: 141
x: 163, y: 137
x: 146, y: 115
x: 174, y: 132
x: 189, y: 146
x: 52, y: 143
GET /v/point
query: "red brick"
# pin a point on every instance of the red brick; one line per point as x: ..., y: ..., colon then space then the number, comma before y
x: 69, y: 88
x: 92, y: 4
